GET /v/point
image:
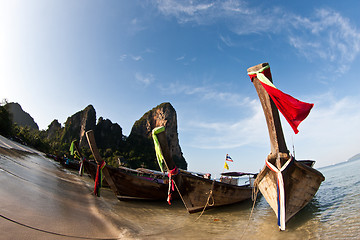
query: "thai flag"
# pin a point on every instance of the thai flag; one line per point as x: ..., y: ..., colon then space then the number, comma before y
x: 228, y: 158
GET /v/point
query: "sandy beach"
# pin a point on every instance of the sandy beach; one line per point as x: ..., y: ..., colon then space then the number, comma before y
x: 41, y: 200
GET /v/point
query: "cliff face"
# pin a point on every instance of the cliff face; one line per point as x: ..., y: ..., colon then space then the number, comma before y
x: 78, y: 124
x: 20, y: 117
x: 53, y: 129
x: 108, y: 134
x: 162, y: 115
x: 137, y: 150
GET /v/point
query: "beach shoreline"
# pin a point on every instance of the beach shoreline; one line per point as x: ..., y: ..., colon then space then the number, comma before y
x: 39, y: 200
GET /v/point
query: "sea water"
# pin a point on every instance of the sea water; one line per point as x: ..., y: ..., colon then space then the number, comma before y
x: 332, y: 214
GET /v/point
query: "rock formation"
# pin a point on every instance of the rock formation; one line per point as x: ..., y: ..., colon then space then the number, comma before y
x: 162, y: 115
x: 53, y: 129
x: 78, y: 124
x: 20, y: 117
x: 108, y: 134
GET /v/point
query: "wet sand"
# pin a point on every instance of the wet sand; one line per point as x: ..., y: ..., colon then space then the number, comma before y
x: 41, y: 200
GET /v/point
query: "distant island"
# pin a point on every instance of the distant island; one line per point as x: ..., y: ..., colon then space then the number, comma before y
x: 354, y: 158
x: 134, y: 151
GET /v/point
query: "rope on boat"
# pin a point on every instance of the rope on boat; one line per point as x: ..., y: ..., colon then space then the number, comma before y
x: 208, y: 200
x: 255, y: 194
x: 52, y: 233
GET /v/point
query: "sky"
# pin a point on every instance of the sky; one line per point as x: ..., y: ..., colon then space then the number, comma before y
x: 127, y: 57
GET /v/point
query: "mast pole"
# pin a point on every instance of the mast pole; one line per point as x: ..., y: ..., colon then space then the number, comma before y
x: 277, y: 140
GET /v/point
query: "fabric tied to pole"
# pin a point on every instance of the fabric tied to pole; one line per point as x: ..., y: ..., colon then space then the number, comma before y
x: 171, y: 173
x: 280, y: 190
x: 294, y: 110
x: 98, y: 178
x: 159, y: 155
x: 81, y: 170
x: 73, y: 151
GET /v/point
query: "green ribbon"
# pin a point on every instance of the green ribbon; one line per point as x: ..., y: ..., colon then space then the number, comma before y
x: 73, y: 151
x: 260, y: 75
x: 159, y: 156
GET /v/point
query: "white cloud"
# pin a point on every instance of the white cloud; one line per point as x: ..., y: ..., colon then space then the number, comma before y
x: 323, y: 135
x: 122, y: 57
x: 224, y: 135
x: 324, y: 35
x: 145, y: 79
x: 184, y: 11
x: 227, y: 41
x: 137, y: 58
x: 206, y: 93
x: 180, y: 58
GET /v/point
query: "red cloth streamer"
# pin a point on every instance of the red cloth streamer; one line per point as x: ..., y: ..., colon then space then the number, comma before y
x: 98, y: 178
x: 294, y: 110
x: 171, y: 173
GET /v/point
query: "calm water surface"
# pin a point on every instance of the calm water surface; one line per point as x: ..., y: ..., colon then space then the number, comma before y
x: 332, y: 214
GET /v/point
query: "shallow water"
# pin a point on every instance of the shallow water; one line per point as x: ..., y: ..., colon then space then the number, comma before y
x: 332, y: 214
x: 47, y: 191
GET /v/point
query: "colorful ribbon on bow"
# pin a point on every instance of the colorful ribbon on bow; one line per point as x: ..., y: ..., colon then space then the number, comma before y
x: 171, y: 173
x: 294, y: 110
x: 280, y: 190
x: 99, y: 178
x: 159, y: 155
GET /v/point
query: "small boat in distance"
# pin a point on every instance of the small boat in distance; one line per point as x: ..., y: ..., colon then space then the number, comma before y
x: 288, y: 185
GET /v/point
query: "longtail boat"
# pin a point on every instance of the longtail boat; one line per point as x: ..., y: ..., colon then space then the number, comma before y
x: 197, y: 193
x: 288, y: 185
x: 126, y: 183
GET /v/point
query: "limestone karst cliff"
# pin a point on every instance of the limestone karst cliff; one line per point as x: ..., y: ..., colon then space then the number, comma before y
x: 20, y: 117
x: 162, y: 115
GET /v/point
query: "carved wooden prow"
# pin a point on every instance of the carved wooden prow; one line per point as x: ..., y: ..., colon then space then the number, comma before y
x: 95, y: 151
x: 166, y: 150
x: 277, y: 140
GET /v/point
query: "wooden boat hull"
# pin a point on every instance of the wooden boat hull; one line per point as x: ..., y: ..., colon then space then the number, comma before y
x: 70, y: 163
x: 301, y: 184
x: 129, y: 186
x: 195, y: 193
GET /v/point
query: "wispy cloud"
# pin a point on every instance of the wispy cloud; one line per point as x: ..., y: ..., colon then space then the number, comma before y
x: 137, y: 58
x: 225, y: 134
x: 324, y: 126
x: 180, y: 58
x: 184, y: 11
x: 326, y: 34
x: 206, y: 93
x: 122, y: 57
x: 145, y: 79
x: 226, y: 40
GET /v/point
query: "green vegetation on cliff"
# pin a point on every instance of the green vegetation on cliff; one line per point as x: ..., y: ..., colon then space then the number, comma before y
x: 134, y: 151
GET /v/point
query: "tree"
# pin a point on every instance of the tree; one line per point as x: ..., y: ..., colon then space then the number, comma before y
x: 5, y: 122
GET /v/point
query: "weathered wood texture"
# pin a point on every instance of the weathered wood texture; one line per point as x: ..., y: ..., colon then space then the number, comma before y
x: 301, y: 181
x: 196, y: 190
x: 95, y: 151
x: 277, y: 140
x: 132, y: 185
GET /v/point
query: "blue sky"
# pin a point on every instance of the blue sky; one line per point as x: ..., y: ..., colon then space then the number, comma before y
x: 126, y: 57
